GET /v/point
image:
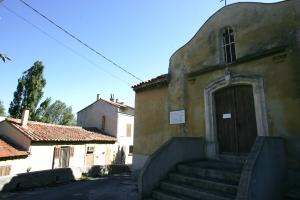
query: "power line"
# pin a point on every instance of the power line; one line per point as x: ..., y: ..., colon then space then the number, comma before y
x: 61, y: 43
x: 80, y: 41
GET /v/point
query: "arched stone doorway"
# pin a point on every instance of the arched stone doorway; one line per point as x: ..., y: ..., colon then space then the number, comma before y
x: 235, y: 113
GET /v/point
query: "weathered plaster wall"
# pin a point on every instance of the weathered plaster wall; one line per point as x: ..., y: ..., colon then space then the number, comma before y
x: 123, y: 139
x: 41, y: 157
x: 17, y: 165
x: 151, y: 121
x: 258, y: 28
x: 15, y: 136
x: 267, y: 40
x: 92, y: 117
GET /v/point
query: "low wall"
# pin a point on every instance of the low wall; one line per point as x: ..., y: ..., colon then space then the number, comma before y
x: 264, y: 175
x: 176, y: 150
x: 38, y: 179
x: 102, y: 170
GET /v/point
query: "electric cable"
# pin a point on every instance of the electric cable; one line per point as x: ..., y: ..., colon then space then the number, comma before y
x: 80, y: 41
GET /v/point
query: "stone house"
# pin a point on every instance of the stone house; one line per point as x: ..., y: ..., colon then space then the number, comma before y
x: 113, y: 118
x: 33, y: 146
x: 230, y: 99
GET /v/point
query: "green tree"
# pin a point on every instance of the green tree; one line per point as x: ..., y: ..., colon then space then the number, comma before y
x: 4, y: 57
x: 29, y: 91
x: 2, y: 109
x: 56, y: 113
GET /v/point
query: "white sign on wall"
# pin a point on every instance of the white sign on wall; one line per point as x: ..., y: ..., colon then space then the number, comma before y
x: 227, y: 116
x: 177, y: 117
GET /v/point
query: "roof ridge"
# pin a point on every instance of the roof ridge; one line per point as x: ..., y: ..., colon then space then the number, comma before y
x: 41, y: 123
x: 40, y: 131
x: 118, y: 104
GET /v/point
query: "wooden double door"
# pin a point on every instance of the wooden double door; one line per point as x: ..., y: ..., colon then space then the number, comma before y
x: 235, y: 119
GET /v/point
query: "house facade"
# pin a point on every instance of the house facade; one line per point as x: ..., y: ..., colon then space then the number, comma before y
x: 40, y: 146
x: 113, y: 118
x: 236, y: 79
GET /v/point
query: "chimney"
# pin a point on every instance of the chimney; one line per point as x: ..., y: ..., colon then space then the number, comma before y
x: 25, y: 116
x: 98, y: 97
x: 112, y: 97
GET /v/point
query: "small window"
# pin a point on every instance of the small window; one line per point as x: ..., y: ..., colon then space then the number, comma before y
x: 103, y: 123
x: 228, y: 45
x: 90, y: 150
x: 128, y: 130
x: 131, y: 149
x: 5, y: 170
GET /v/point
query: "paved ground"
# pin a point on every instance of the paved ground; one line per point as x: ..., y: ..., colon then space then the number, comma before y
x: 117, y: 187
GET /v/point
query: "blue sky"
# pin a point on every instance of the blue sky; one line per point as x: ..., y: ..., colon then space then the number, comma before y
x: 139, y: 35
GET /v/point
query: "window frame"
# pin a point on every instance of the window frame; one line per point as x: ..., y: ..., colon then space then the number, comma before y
x: 228, y: 45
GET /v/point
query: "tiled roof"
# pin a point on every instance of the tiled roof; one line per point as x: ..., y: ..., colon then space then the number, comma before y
x: 157, y: 82
x: 37, y: 131
x: 8, y: 151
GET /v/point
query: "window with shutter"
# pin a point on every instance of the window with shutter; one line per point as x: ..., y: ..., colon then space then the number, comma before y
x: 5, y: 170
x: 56, y: 152
x: 128, y: 130
x: 71, y: 151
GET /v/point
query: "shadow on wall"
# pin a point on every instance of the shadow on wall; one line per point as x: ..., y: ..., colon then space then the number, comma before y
x: 37, y: 179
x: 120, y: 157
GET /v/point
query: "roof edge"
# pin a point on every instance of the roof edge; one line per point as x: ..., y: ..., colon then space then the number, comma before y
x: 157, y: 82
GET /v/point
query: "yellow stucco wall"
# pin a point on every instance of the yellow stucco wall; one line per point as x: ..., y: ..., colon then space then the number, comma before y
x: 258, y: 28
x: 151, y: 120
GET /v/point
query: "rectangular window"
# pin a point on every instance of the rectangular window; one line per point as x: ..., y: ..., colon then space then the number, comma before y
x: 90, y: 150
x: 229, y: 46
x: 5, y: 170
x: 128, y: 130
x: 131, y: 149
x: 64, y: 157
x: 103, y: 123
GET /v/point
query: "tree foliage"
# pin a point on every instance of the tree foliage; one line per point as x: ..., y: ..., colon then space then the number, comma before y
x: 29, y: 91
x: 4, y: 57
x: 2, y: 109
x: 56, y: 113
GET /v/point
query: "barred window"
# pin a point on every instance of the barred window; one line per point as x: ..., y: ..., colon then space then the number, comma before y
x: 228, y: 45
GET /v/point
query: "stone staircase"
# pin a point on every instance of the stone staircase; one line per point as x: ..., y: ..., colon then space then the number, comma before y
x: 293, y: 191
x: 204, y: 180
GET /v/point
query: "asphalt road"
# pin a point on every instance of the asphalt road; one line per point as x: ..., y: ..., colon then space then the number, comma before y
x: 117, y: 187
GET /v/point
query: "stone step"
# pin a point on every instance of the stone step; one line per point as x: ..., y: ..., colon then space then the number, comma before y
x: 204, y: 183
x: 230, y: 175
x: 216, y: 164
x: 193, y: 192
x: 161, y: 195
x: 233, y: 158
x: 293, y: 194
x: 294, y: 178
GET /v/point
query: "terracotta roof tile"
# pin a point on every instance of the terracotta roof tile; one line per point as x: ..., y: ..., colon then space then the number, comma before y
x: 37, y: 131
x: 157, y: 82
x: 8, y: 151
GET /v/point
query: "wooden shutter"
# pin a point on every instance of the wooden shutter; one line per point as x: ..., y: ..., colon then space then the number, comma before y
x: 5, y: 170
x: 71, y: 149
x: 56, y: 152
x: 1, y: 171
x: 128, y: 130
